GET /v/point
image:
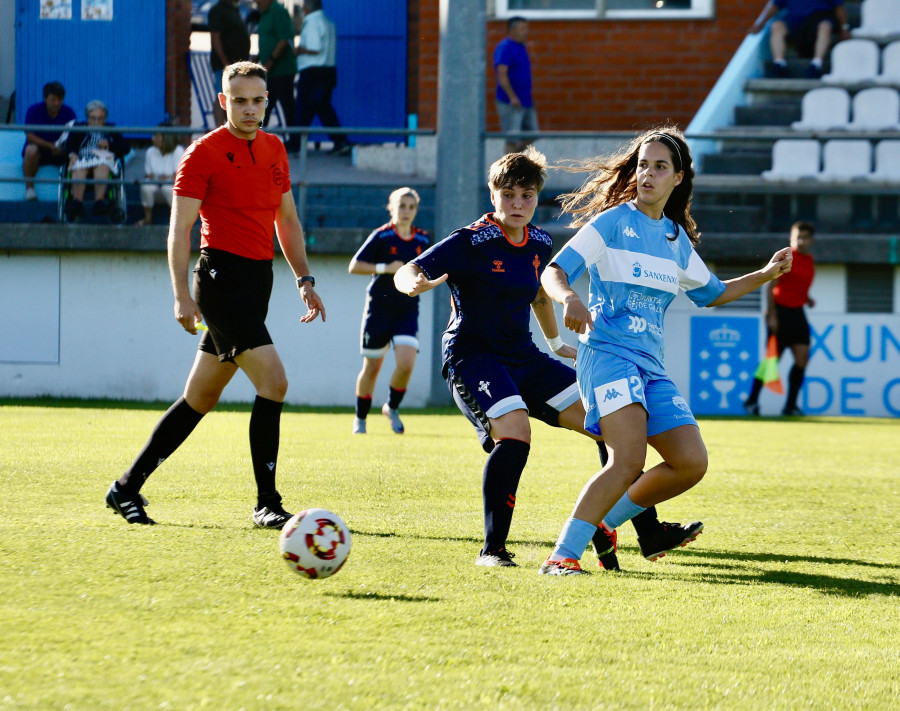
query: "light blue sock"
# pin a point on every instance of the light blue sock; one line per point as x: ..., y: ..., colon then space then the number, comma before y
x: 623, y: 510
x: 574, y: 538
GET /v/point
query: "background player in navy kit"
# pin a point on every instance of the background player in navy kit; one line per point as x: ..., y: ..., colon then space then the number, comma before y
x: 496, y: 374
x: 237, y: 180
x: 637, y: 245
x: 389, y: 316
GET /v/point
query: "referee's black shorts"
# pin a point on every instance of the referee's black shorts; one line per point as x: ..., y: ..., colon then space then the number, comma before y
x: 793, y: 328
x: 232, y: 293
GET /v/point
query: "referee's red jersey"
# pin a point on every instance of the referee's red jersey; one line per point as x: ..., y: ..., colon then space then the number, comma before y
x: 240, y: 183
x: 792, y: 289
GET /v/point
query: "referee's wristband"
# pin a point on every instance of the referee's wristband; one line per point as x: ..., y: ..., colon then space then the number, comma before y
x: 380, y: 268
x: 556, y: 344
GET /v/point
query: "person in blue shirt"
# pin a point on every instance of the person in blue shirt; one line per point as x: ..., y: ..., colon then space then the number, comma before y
x: 636, y: 243
x: 40, y: 146
x: 512, y: 67
x: 389, y: 316
x: 496, y: 375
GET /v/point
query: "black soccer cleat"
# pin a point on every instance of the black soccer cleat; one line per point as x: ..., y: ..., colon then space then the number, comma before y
x: 271, y: 516
x: 666, y: 537
x: 501, y: 558
x: 130, y: 507
x: 606, y: 543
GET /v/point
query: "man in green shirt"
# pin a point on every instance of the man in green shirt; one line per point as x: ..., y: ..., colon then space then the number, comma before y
x: 276, y: 54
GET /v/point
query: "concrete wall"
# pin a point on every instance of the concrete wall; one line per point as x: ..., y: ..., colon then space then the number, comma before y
x: 100, y: 325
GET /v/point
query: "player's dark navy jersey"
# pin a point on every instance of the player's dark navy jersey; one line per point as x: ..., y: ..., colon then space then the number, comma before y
x: 385, y: 245
x: 492, y: 283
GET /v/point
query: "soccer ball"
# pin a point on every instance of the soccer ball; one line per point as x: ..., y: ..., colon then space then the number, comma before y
x: 315, y: 543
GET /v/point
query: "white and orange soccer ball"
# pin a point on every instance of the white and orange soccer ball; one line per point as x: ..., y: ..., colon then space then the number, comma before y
x: 315, y: 543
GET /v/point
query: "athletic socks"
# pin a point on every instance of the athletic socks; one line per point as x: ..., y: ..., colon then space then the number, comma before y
x: 395, y: 398
x: 171, y: 430
x: 795, y: 380
x: 623, y: 510
x: 573, y: 539
x: 265, y: 428
x: 502, y: 471
x: 363, y: 405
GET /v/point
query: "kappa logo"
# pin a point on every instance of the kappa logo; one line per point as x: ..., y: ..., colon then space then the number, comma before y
x: 636, y: 269
x: 498, y: 266
x: 484, y: 387
x: 230, y: 157
x: 629, y: 232
x: 611, y: 394
x: 638, y: 324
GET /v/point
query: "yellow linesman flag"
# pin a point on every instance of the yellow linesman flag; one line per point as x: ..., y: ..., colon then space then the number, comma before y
x: 768, y: 368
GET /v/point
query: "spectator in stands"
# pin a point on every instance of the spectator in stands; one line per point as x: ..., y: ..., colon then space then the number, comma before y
x: 318, y: 73
x: 160, y: 163
x: 40, y: 146
x: 807, y: 25
x: 513, y: 71
x: 786, y: 319
x: 276, y: 54
x: 230, y: 43
x: 95, y: 153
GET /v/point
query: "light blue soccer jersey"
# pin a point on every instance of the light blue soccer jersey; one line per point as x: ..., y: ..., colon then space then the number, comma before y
x: 636, y: 270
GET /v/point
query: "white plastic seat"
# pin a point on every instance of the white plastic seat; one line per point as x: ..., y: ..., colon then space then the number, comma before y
x: 824, y: 109
x: 879, y: 19
x: 845, y: 160
x: 890, y: 65
x: 852, y: 61
x: 876, y: 109
x: 793, y: 160
x: 887, y: 162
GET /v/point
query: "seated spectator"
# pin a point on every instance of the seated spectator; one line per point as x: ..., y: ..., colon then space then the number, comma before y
x: 40, y: 146
x: 160, y: 163
x: 93, y: 153
x: 807, y: 25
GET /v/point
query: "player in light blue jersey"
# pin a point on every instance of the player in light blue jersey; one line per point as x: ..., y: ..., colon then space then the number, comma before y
x: 636, y: 243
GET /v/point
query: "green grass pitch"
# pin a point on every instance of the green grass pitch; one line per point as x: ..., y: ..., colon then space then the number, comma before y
x: 789, y: 599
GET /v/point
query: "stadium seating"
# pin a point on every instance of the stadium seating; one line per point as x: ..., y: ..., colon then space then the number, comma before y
x: 824, y: 109
x: 852, y: 61
x: 879, y: 20
x: 890, y: 65
x: 793, y: 160
x: 887, y: 162
x: 844, y: 160
x: 876, y: 109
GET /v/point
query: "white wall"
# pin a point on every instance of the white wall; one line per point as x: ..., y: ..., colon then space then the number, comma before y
x: 117, y: 337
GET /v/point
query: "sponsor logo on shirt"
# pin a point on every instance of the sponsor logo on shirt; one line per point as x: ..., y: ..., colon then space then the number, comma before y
x: 484, y: 387
x: 636, y: 269
x: 680, y: 403
x: 638, y: 324
x: 498, y: 266
x: 629, y: 232
x: 277, y: 175
x: 637, y: 301
x: 536, y: 262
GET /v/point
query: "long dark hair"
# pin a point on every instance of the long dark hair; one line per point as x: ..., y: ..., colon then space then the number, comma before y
x: 612, y: 181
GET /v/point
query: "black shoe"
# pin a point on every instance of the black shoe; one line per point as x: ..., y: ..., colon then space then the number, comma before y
x: 341, y: 149
x: 271, y: 516
x: 666, y: 537
x: 792, y: 411
x: 74, y: 210
x: 813, y: 72
x: 501, y: 558
x: 606, y: 542
x: 779, y: 71
x: 752, y: 408
x: 129, y: 507
x: 101, y: 207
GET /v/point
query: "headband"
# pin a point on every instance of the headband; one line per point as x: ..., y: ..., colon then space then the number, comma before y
x: 671, y: 141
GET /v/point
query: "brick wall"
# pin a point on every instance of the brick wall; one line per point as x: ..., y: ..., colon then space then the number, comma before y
x: 178, y: 78
x: 604, y: 75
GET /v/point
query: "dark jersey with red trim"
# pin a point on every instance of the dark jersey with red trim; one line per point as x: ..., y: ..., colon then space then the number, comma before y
x: 492, y: 284
x: 385, y: 245
x: 241, y: 184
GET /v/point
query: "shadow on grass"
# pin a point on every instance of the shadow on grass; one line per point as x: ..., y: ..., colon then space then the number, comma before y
x: 381, y: 597
x: 781, y: 558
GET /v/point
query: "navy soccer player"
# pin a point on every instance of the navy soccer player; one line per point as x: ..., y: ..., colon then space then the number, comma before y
x: 637, y: 245
x: 496, y: 374
x: 389, y: 316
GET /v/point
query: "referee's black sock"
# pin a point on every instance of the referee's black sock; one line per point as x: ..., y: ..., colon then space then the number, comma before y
x: 395, y: 398
x: 265, y: 430
x: 171, y: 430
x: 501, y: 479
x: 795, y: 380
